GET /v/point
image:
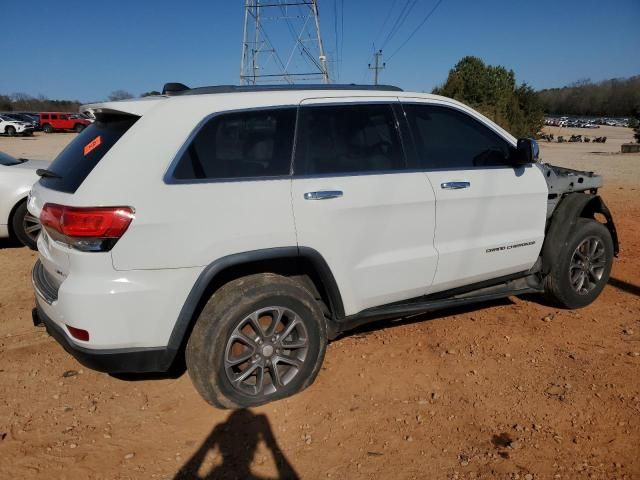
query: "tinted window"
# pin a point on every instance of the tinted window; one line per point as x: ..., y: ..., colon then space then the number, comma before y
x: 54, y: 117
x: 347, y: 139
x: 45, y: 116
x: 77, y: 160
x: 240, y: 145
x: 448, y: 138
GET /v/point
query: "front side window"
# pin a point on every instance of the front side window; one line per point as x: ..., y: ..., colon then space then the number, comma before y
x: 240, y: 145
x: 447, y: 138
x: 343, y: 139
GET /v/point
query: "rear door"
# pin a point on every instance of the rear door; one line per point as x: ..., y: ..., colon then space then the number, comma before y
x: 355, y: 202
x: 490, y: 215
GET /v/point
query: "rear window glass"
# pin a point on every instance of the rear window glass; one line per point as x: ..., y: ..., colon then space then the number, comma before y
x: 76, y: 161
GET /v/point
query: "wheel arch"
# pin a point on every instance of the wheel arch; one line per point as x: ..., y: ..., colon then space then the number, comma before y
x: 569, y: 209
x: 288, y: 261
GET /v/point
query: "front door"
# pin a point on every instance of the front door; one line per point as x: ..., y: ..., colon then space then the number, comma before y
x: 490, y: 216
x: 356, y: 204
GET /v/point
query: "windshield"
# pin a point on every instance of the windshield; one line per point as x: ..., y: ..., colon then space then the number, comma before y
x: 8, y: 160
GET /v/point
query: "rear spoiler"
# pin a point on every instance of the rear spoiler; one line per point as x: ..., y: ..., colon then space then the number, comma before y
x: 134, y: 106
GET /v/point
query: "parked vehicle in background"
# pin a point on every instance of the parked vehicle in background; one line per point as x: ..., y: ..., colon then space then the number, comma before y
x: 17, y: 175
x: 262, y: 221
x: 23, y: 117
x: 11, y: 126
x: 56, y: 121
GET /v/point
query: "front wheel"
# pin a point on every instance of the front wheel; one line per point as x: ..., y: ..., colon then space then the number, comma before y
x: 10, y: 131
x: 25, y: 227
x: 78, y: 128
x: 259, y: 338
x: 583, y: 266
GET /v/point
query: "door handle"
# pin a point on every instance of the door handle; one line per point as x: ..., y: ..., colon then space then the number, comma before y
x: 323, y: 195
x: 455, y: 185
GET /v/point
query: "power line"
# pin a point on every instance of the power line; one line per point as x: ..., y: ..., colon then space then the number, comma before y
x: 386, y: 19
x: 409, y: 6
x: 335, y: 31
x: 424, y: 20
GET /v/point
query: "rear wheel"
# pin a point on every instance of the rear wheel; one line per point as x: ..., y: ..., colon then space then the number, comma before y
x: 11, y: 131
x: 47, y: 128
x: 259, y: 338
x: 25, y: 227
x: 583, y: 266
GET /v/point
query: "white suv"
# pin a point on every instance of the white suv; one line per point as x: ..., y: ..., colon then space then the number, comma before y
x: 258, y: 223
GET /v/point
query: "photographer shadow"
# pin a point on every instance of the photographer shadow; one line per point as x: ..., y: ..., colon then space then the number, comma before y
x: 236, y: 441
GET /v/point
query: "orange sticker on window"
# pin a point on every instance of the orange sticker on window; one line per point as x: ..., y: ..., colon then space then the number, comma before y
x: 92, y: 145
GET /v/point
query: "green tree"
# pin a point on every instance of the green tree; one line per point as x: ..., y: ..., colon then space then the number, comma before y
x: 152, y: 93
x: 492, y: 90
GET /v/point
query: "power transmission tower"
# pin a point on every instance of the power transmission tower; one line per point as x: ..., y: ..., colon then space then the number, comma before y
x: 281, y: 42
x: 377, y: 66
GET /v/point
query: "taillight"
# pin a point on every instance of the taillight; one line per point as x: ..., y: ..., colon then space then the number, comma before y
x: 86, y: 228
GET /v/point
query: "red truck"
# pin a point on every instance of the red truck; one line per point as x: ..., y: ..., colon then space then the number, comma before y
x: 51, y: 121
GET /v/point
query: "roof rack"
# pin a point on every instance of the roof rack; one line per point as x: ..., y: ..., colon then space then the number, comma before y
x: 174, y: 89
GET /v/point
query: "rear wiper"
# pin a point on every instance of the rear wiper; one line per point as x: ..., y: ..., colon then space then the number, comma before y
x: 43, y: 172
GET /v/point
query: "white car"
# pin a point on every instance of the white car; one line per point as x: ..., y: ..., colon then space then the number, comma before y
x: 16, y: 178
x: 263, y: 221
x: 9, y: 126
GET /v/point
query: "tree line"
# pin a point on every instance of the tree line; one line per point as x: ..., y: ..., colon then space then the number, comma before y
x: 610, y: 98
x: 21, y: 102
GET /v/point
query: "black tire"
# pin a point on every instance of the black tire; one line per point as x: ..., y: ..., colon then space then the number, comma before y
x: 211, y: 349
x: 23, y: 226
x: 11, y: 131
x: 47, y: 128
x: 78, y: 128
x: 594, y: 269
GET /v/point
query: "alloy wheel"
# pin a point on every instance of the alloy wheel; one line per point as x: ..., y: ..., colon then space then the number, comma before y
x: 587, y: 265
x: 266, y: 351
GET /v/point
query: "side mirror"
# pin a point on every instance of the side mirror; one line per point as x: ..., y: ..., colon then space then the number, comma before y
x: 527, y: 151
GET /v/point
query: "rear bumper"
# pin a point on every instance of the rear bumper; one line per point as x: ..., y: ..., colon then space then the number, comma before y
x: 125, y: 360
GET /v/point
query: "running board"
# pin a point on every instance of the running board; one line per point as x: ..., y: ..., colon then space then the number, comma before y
x: 519, y: 286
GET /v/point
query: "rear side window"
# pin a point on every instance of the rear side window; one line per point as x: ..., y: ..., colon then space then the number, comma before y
x: 240, y: 145
x: 343, y: 139
x: 76, y: 161
x: 448, y: 138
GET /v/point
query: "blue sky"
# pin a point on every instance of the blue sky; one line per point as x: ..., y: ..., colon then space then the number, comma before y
x: 85, y: 50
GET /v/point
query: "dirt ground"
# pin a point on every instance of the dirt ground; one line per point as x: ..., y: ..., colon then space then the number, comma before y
x: 513, y: 389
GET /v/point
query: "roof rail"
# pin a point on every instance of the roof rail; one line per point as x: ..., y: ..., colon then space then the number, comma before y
x: 173, y: 89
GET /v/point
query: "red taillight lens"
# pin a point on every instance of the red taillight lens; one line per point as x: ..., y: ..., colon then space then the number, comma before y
x: 96, y: 222
x: 100, y: 225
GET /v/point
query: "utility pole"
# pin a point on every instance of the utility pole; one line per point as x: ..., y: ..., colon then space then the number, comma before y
x: 281, y: 42
x: 376, y: 66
